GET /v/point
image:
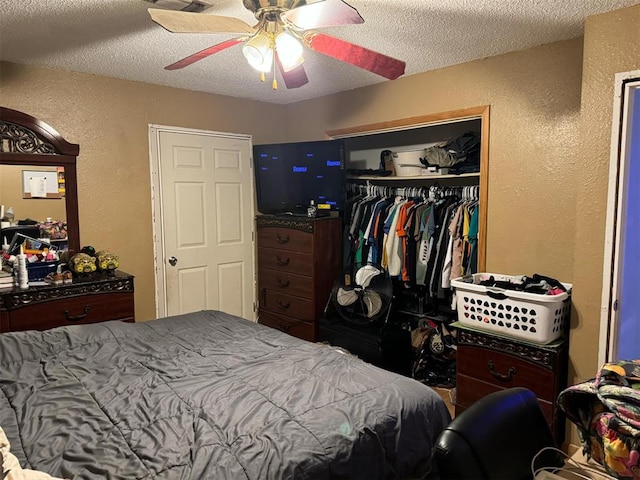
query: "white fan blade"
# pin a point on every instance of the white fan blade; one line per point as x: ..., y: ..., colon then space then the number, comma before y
x: 188, y: 22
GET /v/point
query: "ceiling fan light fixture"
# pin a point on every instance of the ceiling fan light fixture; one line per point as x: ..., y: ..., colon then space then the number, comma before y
x: 258, y: 51
x: 289, y: 51
x: 284, y: 29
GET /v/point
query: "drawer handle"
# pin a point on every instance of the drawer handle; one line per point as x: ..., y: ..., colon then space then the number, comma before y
x: 286, y: 326
x: 282, y: 263
x: 283, y: 305
x: 283, y: 239
x: 75, y: 318
x: 283, y: 326
x: 501, y: 376
x: 283, y: 284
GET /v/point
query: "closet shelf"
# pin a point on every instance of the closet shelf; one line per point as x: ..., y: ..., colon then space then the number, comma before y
x: 413, y: 177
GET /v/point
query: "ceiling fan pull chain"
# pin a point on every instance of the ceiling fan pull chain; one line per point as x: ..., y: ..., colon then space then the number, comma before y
x: 274, y: 84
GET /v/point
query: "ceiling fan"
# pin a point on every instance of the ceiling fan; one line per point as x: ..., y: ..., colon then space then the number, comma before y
x: 283, y: 27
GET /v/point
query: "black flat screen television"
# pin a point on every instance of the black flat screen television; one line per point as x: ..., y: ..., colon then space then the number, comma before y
x: 290, y: 175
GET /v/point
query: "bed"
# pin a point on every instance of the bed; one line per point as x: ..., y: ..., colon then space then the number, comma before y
x: 208, y: 395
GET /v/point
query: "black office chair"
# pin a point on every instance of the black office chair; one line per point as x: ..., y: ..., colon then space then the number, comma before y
x: 496, y: 438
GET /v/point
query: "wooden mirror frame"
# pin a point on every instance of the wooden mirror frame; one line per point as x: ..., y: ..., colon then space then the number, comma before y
x: 32, y: 142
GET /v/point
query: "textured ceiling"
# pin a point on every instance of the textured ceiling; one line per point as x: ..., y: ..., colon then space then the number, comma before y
x: 117, y: 38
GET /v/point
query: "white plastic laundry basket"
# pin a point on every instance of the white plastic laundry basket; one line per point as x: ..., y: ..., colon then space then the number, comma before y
x: 532, y: 317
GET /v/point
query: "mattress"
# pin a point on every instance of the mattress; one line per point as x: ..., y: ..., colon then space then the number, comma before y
x: 208, y: 395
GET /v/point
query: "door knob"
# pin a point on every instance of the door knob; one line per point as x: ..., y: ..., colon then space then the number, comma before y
x: 173, y: 261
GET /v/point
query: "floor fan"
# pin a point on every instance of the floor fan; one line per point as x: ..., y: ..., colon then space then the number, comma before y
x: 363, y: 298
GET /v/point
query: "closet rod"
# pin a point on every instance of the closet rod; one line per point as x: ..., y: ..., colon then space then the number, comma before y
x: 469, y: 192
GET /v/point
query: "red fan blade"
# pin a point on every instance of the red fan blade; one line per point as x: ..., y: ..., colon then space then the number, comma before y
x: 375, y: 62
x: 293, y: 78
x: 204, y: 54
x: 326, y: 13
x: 188, y: 22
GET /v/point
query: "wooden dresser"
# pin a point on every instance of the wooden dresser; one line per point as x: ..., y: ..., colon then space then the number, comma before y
x: 91, y: 299
x: 487, y: 363
x: 299, y: 259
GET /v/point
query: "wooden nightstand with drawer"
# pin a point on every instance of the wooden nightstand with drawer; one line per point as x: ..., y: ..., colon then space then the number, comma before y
x: 487, y: 362
x: 298, y: 261
x: 91, y: 299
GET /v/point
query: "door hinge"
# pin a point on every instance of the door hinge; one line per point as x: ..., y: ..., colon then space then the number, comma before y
x: 253, y: 235
x: 615, y: 305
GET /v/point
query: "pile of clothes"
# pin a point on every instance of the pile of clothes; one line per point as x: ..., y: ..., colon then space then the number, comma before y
x: 606, y: 411
x: 537, y: 283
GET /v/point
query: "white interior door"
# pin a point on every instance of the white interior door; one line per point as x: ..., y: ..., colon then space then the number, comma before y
x: 203, y: 222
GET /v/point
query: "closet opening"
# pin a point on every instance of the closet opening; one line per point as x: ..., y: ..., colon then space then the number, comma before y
x: 418, y: 266
x: 364, y: 143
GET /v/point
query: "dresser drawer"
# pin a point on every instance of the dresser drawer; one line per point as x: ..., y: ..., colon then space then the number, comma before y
x: 285, y: 239
x: 285, y: 261
x: 298, y: 259
x: 469, y: 390
x: 280, y: 303
x: 73, y: 311
x: 285, y: 282
x: 292, y: 326
x: 505, y: 370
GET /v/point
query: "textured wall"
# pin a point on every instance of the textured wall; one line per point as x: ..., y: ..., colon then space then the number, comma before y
x: 612, y: 45
x: 110, y: 119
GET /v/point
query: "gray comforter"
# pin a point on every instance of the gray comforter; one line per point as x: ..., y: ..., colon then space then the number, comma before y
x: 207, y: 396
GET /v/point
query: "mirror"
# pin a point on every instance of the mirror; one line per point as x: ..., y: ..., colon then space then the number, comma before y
x: 26, y: 203
x: 29, y: 150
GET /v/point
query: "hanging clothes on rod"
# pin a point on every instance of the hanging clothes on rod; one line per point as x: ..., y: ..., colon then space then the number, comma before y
x: 423, y: 236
